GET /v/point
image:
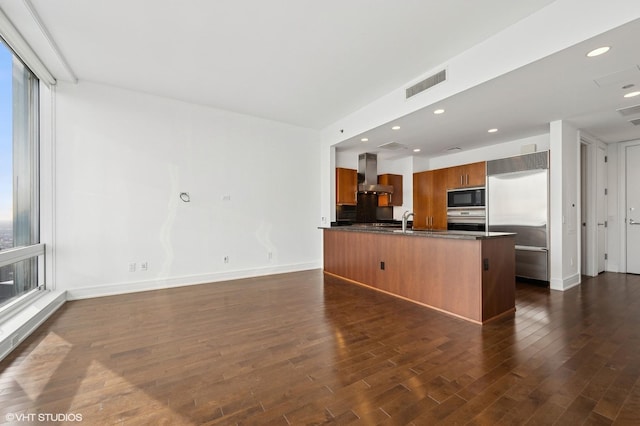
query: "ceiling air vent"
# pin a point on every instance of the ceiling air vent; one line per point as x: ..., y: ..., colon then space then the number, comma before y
x: 632, y: 110
x: 392, y: 145
x: 426, y: 83
x: 635, y: 121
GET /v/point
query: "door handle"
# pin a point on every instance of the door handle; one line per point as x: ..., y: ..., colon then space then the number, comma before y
x: 600, y: 224
x: 633, y: 222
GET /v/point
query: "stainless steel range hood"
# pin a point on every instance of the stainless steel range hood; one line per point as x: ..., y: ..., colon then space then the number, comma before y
x: 368, y: 175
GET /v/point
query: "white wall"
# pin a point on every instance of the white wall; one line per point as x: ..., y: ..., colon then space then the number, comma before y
x: 122, y: 159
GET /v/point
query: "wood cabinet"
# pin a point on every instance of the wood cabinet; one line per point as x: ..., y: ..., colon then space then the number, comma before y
x: 467, y: 175
x: 346, y: 186
x: 430, y: 199
x: 430, y: 192
x: 394, y: 199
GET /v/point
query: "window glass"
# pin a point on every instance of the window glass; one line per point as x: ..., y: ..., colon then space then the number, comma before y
x: 19, y: 167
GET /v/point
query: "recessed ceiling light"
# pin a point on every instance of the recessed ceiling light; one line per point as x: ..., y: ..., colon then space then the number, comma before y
x: 364, y: 140
x: 416, y: 150
x: 439, y: 111
x: 599, y: 51
x: 631, y: 94
x: 492, y: 130
x: 395, y: 128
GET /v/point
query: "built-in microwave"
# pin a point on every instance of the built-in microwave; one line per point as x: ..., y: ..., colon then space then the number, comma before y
x: 466, y: 197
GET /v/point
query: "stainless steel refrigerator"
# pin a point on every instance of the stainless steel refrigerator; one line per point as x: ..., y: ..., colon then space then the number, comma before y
x: 518, y: 201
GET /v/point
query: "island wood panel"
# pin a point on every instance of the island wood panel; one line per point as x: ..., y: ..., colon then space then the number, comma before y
x: 362, y: 265
x: 496, y: 297
x: 342, y: 259
x: 446, y: 274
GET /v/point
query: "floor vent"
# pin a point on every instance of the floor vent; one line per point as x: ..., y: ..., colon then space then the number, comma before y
x: 635, y: 121
x: 426, y: 84
x: 632, y: 110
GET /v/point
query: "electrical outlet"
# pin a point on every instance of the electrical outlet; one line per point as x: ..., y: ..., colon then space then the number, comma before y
x: 144, y: 266
x: 226, y: 259
x: 132, y: 267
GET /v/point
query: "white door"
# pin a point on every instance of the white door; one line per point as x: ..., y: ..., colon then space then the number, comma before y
x: 601, y: 207
x: 633, y: 209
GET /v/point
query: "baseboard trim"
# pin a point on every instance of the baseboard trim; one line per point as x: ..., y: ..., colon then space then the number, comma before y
x: 14, y: 330
x: 160, y: 283
x: 565, y: 283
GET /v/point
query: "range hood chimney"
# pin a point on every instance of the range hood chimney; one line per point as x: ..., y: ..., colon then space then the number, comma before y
x: 368, y: 175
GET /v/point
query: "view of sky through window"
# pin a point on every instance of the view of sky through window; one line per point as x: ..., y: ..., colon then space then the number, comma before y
x: 6, y: 157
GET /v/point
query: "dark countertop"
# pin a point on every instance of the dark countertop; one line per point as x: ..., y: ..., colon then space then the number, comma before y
x: 457, y: 235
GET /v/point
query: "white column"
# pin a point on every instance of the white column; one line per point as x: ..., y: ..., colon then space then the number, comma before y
x: 564, y: 205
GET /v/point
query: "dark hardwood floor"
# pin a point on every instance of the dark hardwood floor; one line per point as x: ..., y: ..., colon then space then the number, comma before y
x: 299, y: 349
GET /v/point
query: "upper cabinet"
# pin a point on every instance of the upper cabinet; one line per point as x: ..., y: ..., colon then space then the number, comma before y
x: 394, y: 199
x: 346, y: 186
x: 467, y: 175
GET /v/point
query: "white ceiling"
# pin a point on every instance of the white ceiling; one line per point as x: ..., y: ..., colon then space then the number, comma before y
x: 303, y: 62
x: 311, y: 63
x: 586, y: 92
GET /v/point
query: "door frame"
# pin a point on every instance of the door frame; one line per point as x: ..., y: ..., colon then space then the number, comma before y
x: 591, y: 219
x: 622, y: 200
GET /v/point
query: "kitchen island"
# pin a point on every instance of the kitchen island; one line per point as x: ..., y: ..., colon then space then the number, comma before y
x: 470, y: 275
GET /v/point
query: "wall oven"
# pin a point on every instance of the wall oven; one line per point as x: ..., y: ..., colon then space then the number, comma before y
x: 467, y: 219
x: 465, y: 198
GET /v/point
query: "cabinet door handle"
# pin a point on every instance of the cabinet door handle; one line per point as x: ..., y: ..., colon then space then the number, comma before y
x: 461, y: 180
x: 467, y: 180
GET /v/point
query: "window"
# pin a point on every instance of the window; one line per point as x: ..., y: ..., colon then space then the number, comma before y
x: 19, y: 180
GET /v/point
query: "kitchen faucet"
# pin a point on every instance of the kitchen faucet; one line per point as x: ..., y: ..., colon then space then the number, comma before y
x: 405, y: 218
